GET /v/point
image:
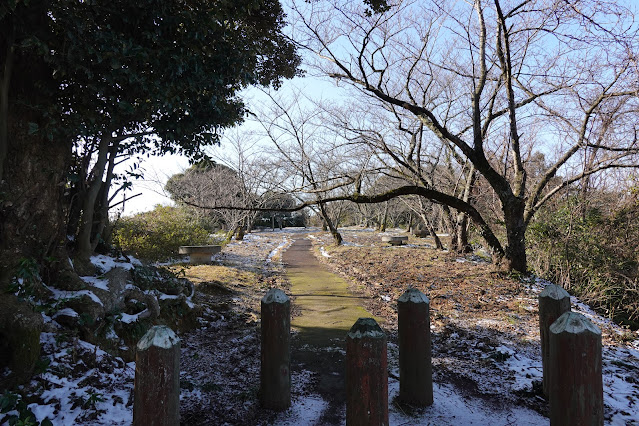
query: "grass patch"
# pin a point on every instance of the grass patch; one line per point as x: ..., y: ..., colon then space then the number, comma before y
x: 217, y: 279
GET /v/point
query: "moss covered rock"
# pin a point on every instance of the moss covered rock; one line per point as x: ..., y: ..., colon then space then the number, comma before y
x: 20, y: 330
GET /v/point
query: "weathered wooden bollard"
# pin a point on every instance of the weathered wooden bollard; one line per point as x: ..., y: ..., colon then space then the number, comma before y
x: 415, y: 368
x: 156, y: 399
x: 366, y: 374
x: 575, y: 381
x: 553, y: 302
x: 275, y: 388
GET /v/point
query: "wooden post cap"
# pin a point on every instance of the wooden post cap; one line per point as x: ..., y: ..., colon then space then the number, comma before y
x: 413, y: 295
x: 366, y: 328
x: 554, y: 292
x: 159, y: 336
x: 574, y: 323
x: 275, y: 295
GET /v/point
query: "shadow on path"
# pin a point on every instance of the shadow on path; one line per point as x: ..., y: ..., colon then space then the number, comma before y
x: 326, y: 311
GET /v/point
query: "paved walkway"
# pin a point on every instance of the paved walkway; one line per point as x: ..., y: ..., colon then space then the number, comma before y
x: 327, y: 310
x: 324, y: 311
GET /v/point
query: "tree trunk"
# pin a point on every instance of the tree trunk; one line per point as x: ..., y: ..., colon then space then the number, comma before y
x: 451, y: 226
x: 382, y: 223
x: 32, y: 218
x: 101, y: 214
x: 463, y: 246
x: 5, y: 86
x: 32, y: 224
x: 239, y: 234
x: 515, y: 250
x: 462, y: 219
x: 432, y: 232
x: 337, y: 237
x: 84, y: 243
x: 229, y: 234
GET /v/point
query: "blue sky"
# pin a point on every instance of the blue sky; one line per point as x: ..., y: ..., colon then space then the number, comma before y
x: 157, y: 170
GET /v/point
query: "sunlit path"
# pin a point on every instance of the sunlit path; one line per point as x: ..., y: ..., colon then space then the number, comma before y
x: 323, y: 312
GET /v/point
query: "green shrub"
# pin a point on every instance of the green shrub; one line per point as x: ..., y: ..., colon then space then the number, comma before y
x: 157, y: 235
x: 592, y: 252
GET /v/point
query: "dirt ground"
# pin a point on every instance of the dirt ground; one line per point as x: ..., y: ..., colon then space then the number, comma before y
x: 474, y: 311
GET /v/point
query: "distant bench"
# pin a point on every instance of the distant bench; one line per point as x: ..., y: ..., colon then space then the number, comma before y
x: 394, y: 240
x: 200, y: 254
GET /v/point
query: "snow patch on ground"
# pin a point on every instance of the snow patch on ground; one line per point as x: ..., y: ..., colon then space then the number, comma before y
x: 131, y: 318
x: 278, y: 249
x: 304, y: 411
x: 98, y: 394
x: 106, y: 263
x: 63, y: 294
x: 101, y: 283
x: 450, y: 408
x: 351, y: 244
x: 66, y: 312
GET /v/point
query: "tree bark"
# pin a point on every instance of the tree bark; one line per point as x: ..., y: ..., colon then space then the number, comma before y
x: 432, y: 232
x: 451, y: 225
x: 337, y: 237
x: 101, y: 214
x: 84, y: 246
x: 382, y: 223
x: 515, y: 250
x: 32, y: 217
x: 4, y: 100
x: 463, y: 246
x: 240, y: 231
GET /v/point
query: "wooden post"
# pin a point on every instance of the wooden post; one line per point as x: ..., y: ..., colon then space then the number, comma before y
x: 275, y: 391
x: 553, y: 302
x: 156, y: 400
x: 576, y: 383
x: 415, y: 369
x: 366, y: 374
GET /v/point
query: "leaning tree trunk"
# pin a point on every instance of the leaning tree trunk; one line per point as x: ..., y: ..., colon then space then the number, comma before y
x: 429, y: 225
x: 432, y: 232
x: 337, y: 237
x: 101, y: 214
x: 84, y: 242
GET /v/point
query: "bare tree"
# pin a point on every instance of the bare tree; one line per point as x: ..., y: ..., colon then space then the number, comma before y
x: 313, y: 157
x: 494, y: 82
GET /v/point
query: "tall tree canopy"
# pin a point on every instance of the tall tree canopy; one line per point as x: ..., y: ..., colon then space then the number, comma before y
x: 113, y: 77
